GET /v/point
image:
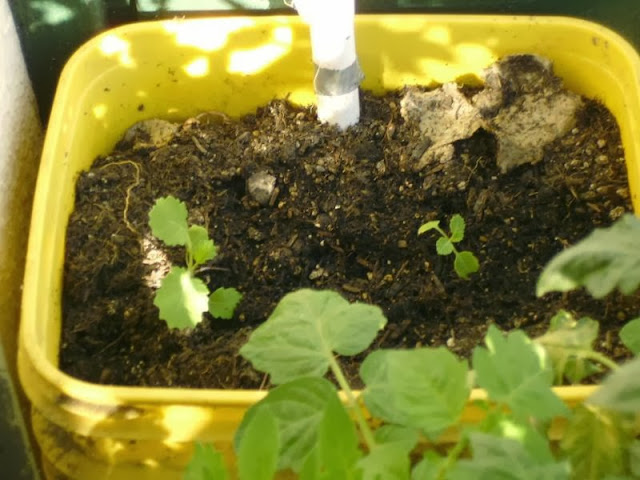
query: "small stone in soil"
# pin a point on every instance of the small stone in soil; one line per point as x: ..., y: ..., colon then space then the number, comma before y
x: 260, y: 186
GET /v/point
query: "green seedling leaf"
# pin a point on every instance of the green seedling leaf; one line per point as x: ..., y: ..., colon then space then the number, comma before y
x: 465, y: 264
x: 424, y: 388
x: 336, y: 453
x: 569, y: 345
x: 396, y: 433
x: 425, y: 227
x: 430, y: 467
x: 168, y: 221
x: 200, y: 246
x: 504, y: 458
x: 634, y: 457
x: 606, y: 259
x: 299, y: 408
x: 259, y: 446
x: 444, y: 246
x: 594, y: 443
x: 387, y: 461
x: 502, y: 424
x: 304, y: 330
x: 630, y: 335
x: 206, y: 464
x: 181, y: 299
x: 223, y: 302
x: 456, y: 226
x: 620, y: 391
x: 517, y: 373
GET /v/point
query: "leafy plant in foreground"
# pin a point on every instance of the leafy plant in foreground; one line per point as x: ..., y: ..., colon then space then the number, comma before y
x: 302, y: 424
x: 465, y: 262
x: 182, y: 297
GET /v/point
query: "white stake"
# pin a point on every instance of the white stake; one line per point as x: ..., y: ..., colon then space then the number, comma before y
x: 333, y: 50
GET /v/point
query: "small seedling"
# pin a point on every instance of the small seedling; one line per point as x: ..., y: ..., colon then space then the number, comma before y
x: 182, y: 297
x: 465, y: 262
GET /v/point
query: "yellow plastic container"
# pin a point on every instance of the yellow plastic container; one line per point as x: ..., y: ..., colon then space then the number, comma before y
x: 175, y: 69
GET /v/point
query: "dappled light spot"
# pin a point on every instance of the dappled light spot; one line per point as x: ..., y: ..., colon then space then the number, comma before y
x: 256, y: 59
x: 198, y: 67
x: 438, y: 35
x: 206, y: 35
x: 112, y: 45
x: 99, y: 111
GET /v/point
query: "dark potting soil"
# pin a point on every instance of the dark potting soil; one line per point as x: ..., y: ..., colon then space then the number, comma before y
x: 343, y: 215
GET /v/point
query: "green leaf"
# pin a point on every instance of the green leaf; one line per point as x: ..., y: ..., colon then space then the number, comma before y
x: 337, y: 452
x: 429, y: 467
x: 181, y: 299
x: 299, y: 408
x: 168, y: 221
x: 594, y: 443
x: 396, y: 433
x: 223, y: 302
x: 569, y: 343
x: 304, y: 330
x: 630, y: 335
x: 206, y: 464
x: 496, y: 458
x: 259, y: 446
x: 200, y: 245
x: 444, y: 246
x: 425, y: 227
x: 620, y: 390
x: 634, y: 457
x: 465, y: 264
x: 516, y: 372
x: 535, y: 444
x: 387, y: 461
x: 424, y: 388
x: 606, y: 259
x: 456, y: 226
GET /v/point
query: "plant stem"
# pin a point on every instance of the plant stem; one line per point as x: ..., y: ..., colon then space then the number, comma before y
x: 352, y: 403
x: 453, y: 456
x: 600, y: 358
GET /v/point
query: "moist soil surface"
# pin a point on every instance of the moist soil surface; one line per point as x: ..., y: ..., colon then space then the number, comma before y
x: 343, y: 215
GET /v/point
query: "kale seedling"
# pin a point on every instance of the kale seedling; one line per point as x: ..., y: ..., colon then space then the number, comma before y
x: 182, y: 297
x: 465, y: 262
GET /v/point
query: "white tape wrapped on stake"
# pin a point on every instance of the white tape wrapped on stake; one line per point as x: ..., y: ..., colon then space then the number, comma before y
x: 333, y: 50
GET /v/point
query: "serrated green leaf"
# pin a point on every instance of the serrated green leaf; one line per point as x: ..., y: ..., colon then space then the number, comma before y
x: 388, y: 461
x: 498, y: 458
x: 430, y: 467
x: 568, y: 343
x: 425, y: 227
x: 606, y: 259
x: 206, y: 464
x: 299, y: 408
x: 456, y: 226
x: 594, y: 443
x: 630, y: 335
x: 304, y: 330
x: 168, y: 221
x: 424, y: 388
x: 620, y: 390
x: 516, y: 372
x: 336, y: 452
x: 200, y: 245
x: 181, y: 299
x: 465, y: 264
x: 223, y: 302
x: 444, y: 246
